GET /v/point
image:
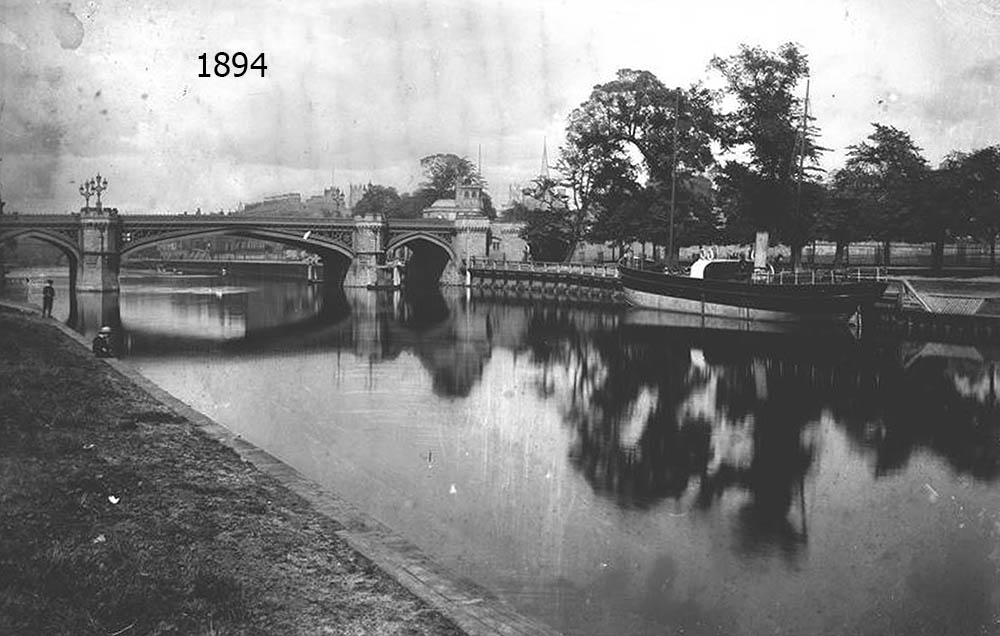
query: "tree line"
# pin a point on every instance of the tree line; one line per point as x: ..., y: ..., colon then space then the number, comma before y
x: 442, y: 173
x: 730, y: 162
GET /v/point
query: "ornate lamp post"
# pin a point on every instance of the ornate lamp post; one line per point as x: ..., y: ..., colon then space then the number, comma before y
x: 100, y: 185
x: 93, y: 187
x: 86, y: 192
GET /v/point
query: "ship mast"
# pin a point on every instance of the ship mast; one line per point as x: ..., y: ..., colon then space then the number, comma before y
x: 671, y: 257
x: 2, y: 104
x: 799, y: 153
x: 801, y: 146
x: 802, y: 151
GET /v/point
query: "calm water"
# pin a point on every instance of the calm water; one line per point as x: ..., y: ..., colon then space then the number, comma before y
x: 605, y: 475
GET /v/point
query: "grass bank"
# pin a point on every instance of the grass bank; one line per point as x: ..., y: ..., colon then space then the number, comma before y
x: 119, y: 517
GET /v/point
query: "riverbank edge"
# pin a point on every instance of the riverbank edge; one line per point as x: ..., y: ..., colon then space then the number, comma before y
x: 473, y: 609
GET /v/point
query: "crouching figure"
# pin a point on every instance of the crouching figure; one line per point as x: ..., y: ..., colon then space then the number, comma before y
x: 102, y: 345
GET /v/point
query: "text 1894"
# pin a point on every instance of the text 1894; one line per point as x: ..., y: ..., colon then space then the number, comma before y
x: 235, y: 65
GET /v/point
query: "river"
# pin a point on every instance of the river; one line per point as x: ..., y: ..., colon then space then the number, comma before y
x: 603, y: 474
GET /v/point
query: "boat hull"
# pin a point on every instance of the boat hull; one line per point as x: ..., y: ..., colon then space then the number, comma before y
x: 745, y: 301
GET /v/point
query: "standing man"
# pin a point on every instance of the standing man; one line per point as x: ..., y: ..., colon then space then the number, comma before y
x: 48, y: 295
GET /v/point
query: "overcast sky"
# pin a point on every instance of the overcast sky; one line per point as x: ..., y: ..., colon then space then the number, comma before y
x: 359, y: 91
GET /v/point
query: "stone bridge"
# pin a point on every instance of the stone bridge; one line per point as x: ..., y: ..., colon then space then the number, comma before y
x: 96, y: 241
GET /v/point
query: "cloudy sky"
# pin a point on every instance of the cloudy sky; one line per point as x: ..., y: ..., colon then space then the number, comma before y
x: 358, y: 91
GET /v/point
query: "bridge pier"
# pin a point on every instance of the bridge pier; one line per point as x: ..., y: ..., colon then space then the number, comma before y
x: 470, y: 242
x: 368, y: 251
x: 97, y: 270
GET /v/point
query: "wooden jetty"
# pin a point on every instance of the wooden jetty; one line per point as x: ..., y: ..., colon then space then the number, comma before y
x: 948, y: 317
x: 579, y: 279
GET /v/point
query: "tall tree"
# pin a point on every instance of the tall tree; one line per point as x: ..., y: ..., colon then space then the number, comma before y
x: 888, y: 180
x: 843, y: 219
x: 767, y: 127
x: 940, y: 214
x: 587, y: 176
x: 979, y: 174
x: 583, y: 175
x: 550, y: 229
x: 628, y: 138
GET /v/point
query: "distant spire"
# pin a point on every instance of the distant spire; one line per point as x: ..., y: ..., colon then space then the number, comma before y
x: 545, y: 158
x: 480, y: 160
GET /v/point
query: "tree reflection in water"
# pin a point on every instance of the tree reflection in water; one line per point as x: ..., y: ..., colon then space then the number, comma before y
x: 937, y: 397
x: 454, y: 352
x: 691, y: 415
x: 708, y: 420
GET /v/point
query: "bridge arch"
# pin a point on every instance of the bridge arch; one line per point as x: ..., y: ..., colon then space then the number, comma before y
x: 336, y: 257
x: 409, y: 237
x: 430, y: 256
x: 317, y: 245
x: 69, y: 247
x: 65, y: 244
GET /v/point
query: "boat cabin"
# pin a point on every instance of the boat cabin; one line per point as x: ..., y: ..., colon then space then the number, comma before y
x: 721, y: 269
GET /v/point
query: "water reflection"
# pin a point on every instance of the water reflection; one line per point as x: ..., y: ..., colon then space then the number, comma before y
x: 193, y: 317
x: 657, y: 413
x: 682, y: 415
x: 607, y: 476
x: 685, y: 415
x: 937, y: 397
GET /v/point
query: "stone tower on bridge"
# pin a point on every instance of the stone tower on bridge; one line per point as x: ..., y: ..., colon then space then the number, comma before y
x: 100, y: 233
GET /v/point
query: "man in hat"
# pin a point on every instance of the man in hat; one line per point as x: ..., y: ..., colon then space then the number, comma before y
x: 48, y: 296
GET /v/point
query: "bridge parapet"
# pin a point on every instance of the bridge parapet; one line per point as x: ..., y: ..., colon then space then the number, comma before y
x: 62, y: 230
x: 355, y: 248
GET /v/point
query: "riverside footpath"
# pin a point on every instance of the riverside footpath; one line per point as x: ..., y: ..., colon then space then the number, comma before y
x: 122, y: 511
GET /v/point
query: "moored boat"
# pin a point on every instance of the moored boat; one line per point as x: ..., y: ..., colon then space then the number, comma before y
x: 727, y: 288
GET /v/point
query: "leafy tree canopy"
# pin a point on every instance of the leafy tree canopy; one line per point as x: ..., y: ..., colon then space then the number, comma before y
x: 978, y: 189
x: 768, y: 125
x: 443, y: 171
x: 889, y: 156
x: 623, y: 146
x: 635, y: 111
x: 548, y: 235
x: 378, y: 200
x: 886, y: 176
x: 552, y: 229
x: 412, y: 204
